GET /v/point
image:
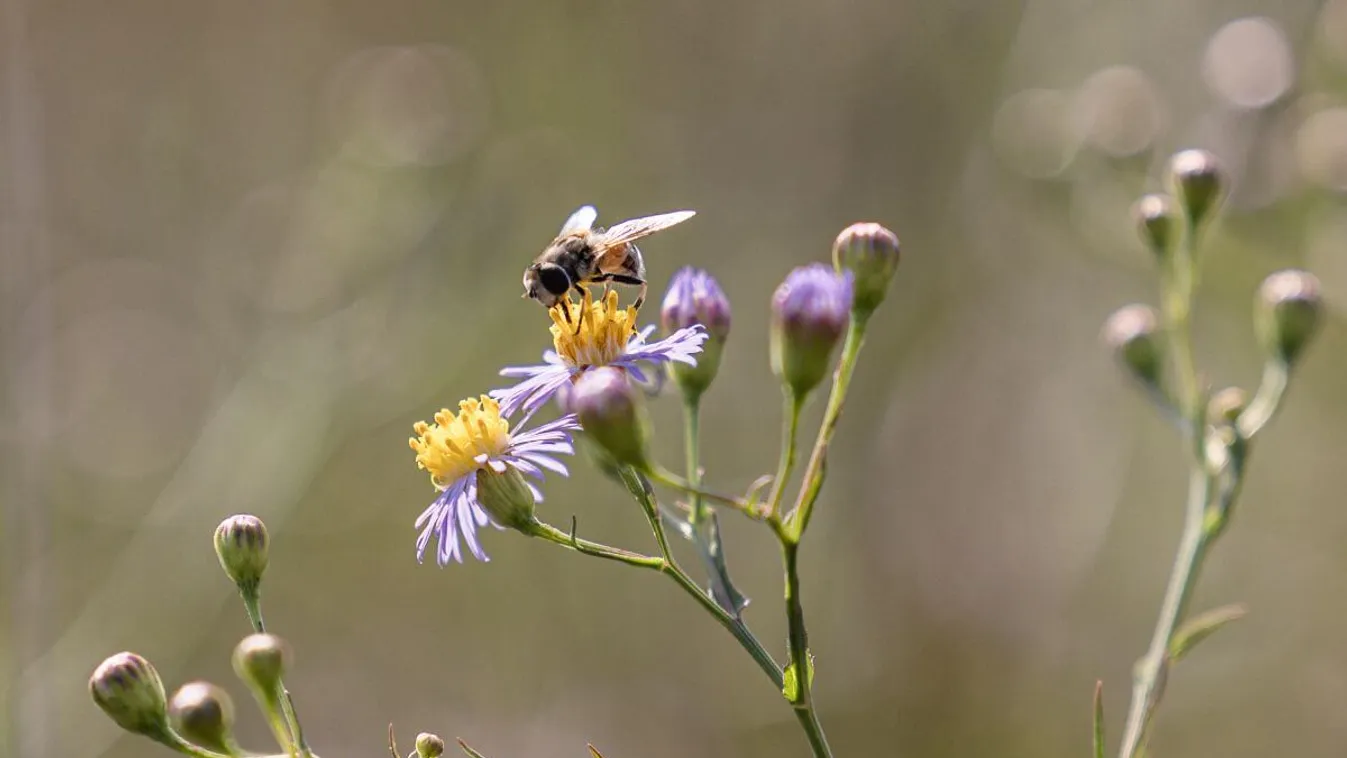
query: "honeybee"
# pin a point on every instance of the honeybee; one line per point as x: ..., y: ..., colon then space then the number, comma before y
x: 581, y: 255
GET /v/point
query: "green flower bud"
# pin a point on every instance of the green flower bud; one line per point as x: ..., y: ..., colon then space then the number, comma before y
x: 429, y: 745
x: 810, y: 310
x: 506, y: 496
x: 611, y: 415
x: 1198, y: 182
x: 1158, y: 223
x: 695, y: 299
x: 870, y: 253
x: 204, y: 715
x: 260, y: 660
x: 129, y: 691
x: 1225, y: 406
x: 1132, y: 334
x: 1286, y: 313
x: 241, y: 543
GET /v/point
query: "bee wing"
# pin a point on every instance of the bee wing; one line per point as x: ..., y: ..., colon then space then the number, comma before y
x: 630, y: 231
x: 580, y: 221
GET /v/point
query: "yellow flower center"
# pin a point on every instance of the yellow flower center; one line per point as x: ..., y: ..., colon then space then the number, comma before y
x: 448, y: 448
x: 604, y: 330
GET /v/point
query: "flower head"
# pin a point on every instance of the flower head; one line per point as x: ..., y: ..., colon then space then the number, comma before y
x: 810, y: 310
x: 129, y: 691
x: 476, y: 462
x: 606, y: 336
x: 694, y: 298
x: 610, y: 413
x: 870, y: 252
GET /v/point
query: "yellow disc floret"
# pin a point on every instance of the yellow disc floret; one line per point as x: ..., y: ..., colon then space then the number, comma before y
x: 604, y: 330
x: 449, y: 448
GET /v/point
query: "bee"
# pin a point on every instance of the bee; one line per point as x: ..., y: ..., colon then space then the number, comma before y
x: 582, y: 255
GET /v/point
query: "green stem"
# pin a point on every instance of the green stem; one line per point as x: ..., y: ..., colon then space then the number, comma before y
x: 170, y: 739
x: 1266, y: 400
x: 674, y: 481
x: 797, y: 637
x: 692, y: 454
x: 1152, y: 669
x: 666, y: 565
x: 792, y: 404
x: 798, y: 518
x: 291, y: 736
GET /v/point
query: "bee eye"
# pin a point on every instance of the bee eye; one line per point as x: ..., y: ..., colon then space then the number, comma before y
x: 554, y: 279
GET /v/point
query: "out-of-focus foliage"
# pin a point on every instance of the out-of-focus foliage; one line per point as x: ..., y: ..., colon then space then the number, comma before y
x: 244, y: 246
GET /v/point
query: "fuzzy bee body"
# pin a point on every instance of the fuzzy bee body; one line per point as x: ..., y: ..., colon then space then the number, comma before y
x: 581, y: 255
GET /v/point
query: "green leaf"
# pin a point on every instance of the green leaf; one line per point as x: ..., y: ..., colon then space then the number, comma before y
x: 473, y: 753
x: 1202, y: 626
x: 791, y: 686
x: 1099, y: 719
x: 705, y: 537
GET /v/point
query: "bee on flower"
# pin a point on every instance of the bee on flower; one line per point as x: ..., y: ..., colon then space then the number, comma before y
x: 606, y: 336
x: 479, y: 466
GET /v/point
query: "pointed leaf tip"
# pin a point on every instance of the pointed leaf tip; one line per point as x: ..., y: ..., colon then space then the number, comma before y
x: 1202, y: 626
x: 464, y: 747
x: 594, y: 752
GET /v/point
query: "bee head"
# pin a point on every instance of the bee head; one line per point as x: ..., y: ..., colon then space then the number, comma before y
x: 547, y: 283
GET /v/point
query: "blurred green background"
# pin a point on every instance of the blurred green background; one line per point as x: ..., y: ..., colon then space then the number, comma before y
x: 245, y: 245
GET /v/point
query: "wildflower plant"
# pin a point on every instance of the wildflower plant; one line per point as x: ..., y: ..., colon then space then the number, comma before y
x: 488, y: 463
x: 1155, y: 347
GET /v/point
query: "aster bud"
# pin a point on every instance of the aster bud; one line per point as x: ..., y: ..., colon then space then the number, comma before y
x: 1225, y: 406
x: 870, y: 253
x: 694, y: 298
x: 1158, y: 222
x: 204, y: 715
x: 1132, y: 333
x: 610, y: 413
x: 241, y: 543
x: 1286, y: 313
x: 260, y: 660
x: 810, y: 310
x: 1198, y: 182
x: 129, y: 691
x: 429, y: 745
x: 506, y: 496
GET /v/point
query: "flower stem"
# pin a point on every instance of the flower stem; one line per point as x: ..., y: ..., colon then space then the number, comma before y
x: 666, y: 565
x: 1152, y: 670
x: 674, y: 481
x: 692, y: 453
x: 798, y: 518
x: 792, y: 404
x: 292, y: 735
x: 797, y: 637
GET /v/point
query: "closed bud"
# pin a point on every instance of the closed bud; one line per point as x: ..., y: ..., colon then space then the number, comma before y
x: 260, y: 660
x: 1286, y: 314
x: 1198, y: 182
x: 241, y: 543
x: 1225, y: 406
x: 1158, y: 223
x: 506, y: 496
x: 610, y: 413
x: 429, y: 745
x: 129, y: 691
x: 694, y: 298
x: 1132, y: 334
x: 810, y: 310
x: 204, y: 715
x: 870, y: 253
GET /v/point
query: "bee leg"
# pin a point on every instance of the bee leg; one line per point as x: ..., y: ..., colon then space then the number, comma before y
x: 624, y: 279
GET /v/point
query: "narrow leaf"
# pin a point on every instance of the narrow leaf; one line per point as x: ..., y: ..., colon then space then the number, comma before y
x: 392, y: 742
x: 1202, y: 626
x: 472, y: 753
x: 1099, y: 719
x: 594, y: 752
x: 705, y: 537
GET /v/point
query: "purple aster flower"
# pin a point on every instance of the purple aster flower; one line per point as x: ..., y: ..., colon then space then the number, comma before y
x: 607, y: 336
x: 810, y: 310
x: 479, y: 467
